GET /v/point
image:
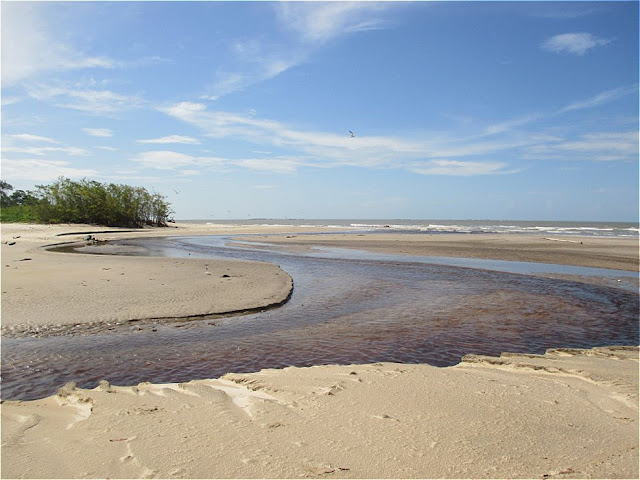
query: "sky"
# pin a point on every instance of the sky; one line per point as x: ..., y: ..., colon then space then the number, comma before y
x: 244, y: 110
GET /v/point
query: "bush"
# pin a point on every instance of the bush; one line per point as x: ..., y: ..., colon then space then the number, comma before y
x: 19, y: 214
x: 68, y: 201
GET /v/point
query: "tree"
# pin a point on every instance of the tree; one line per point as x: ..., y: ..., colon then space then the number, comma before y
x: 69, y: 201
x: 5, y: 188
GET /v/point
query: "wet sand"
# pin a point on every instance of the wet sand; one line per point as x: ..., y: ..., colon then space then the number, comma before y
x: 567, y: 414
x: 599, y: 252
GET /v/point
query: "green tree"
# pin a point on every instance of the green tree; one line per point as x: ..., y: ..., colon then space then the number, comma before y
x: 84, y: 201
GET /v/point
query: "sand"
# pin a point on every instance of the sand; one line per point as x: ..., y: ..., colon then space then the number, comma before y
x: 567, y: 414
x: 599, y: 252
x: 46, y: 293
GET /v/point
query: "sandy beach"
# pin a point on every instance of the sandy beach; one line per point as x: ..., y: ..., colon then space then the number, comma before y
x: 566, y: 414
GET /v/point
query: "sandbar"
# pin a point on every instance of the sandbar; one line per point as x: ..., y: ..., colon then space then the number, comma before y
x: 45, y: 293
x: 600, y: 252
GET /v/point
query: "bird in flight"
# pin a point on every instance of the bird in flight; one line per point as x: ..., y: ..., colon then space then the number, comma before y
x: 352, y: 134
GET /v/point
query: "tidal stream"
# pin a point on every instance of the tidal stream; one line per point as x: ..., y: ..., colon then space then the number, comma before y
x: 346, y: 307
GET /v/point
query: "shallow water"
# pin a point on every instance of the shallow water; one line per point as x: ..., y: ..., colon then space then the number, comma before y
x: 366, y: 308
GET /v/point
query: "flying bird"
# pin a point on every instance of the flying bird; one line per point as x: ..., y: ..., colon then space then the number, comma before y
x: 352, y: 134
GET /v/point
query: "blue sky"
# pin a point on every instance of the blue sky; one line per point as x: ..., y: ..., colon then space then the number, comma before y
x: 237, y: 110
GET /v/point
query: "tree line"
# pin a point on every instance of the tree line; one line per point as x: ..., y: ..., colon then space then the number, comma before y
x: 84, y: 201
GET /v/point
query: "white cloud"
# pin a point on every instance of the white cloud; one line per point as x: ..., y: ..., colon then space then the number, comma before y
x: 597, y: 147
x: 506, y: 126
x: 574, y: 43
x: 460, y: 168
x: 275, y: 164
x: 32, y: 138
x: 30, y: 48
x: 171, y: 139
x: 94, y: 102
x: 169, y: 160
x: 110, y: 149
x: 98, y: 132
x: 320, y: 22
x: 313, y: 24
x: 41, y: 170
x: 325, y: 149
x: 164, y: 160
x: 73, y: 151
x: 602, y: 98
x: 11, y: 100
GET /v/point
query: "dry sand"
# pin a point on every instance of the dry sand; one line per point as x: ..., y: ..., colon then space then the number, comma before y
x: 567, y: 414
x: 47, y: 292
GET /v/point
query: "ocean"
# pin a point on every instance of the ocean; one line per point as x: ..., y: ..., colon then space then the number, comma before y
x: 596, y: 229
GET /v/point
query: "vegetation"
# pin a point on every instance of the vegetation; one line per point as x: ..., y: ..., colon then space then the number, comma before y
x: 68, y: 201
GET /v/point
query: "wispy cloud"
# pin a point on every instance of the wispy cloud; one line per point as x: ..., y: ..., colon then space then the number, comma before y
x: 95, y: 102
x: 164, y: 160
x: 320, y: 22
x: 29, y: 48
x: 509, y: 125
x: 574, y: 43
x: 461, y: 168
x: 98, y: 132
x: 280, y: 164
x: 27, y: 137
x: 169, y: 160
x: 326, y: 149
x: 11, y: 100
x: 601, y: 98
x: 427, y: 154
x: 73, y: 151
x: 40, y: 170
x: 171, y: 139
x: 307, y: 26
x: 597, y: 147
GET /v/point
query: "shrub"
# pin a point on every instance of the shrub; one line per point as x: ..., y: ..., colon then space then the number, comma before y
x: 68, y: 201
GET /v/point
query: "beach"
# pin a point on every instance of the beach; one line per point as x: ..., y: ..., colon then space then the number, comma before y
x: 571, y: 413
